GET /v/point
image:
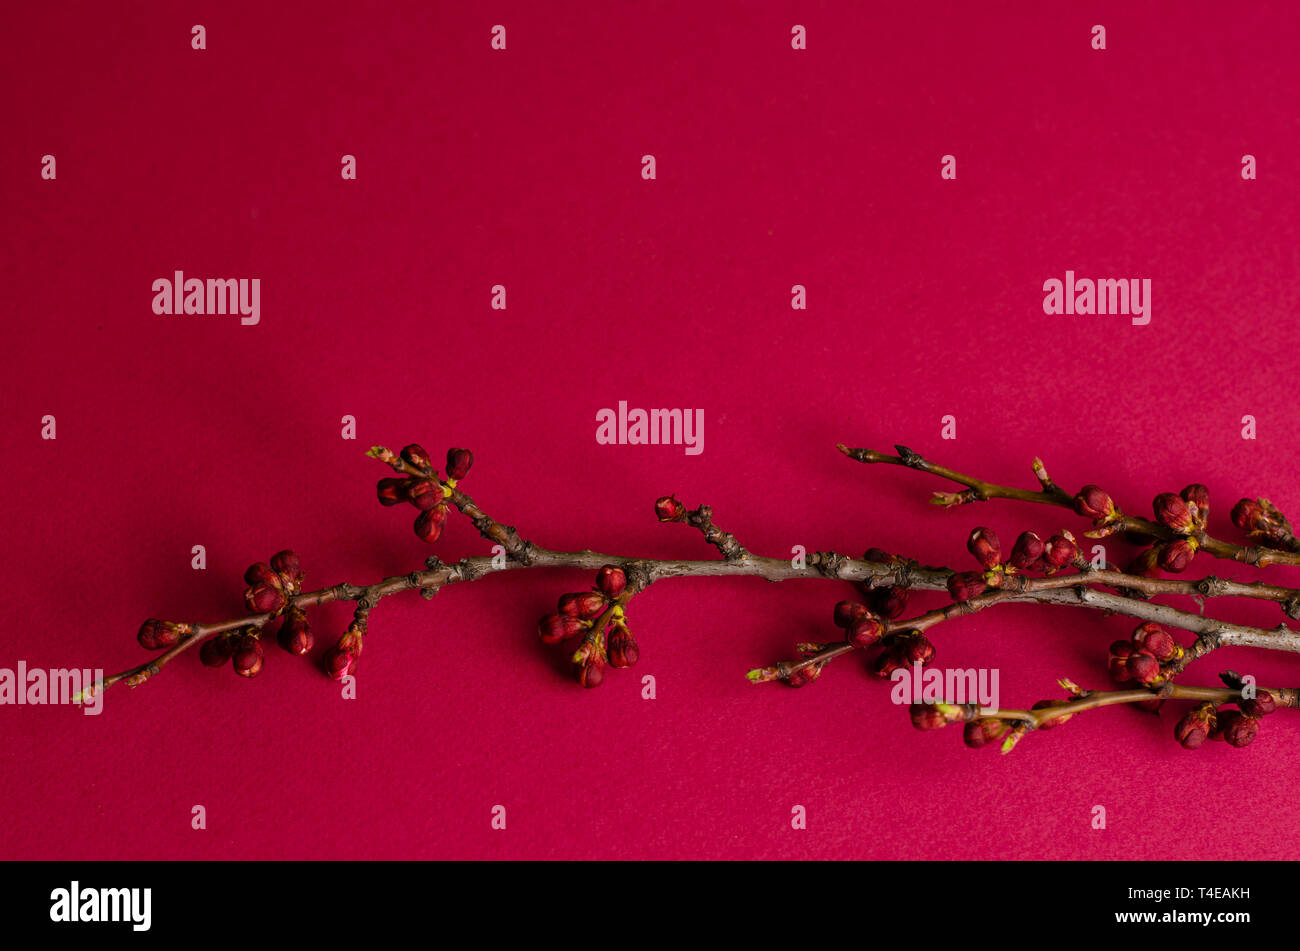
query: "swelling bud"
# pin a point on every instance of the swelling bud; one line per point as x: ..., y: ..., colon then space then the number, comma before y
x: 983, y: 544
x: 1172, y: 512
x: 555, y: 628
x: 668, y: 509
x: 156, y: 635
x: 1093, y: 503
x: 611, y: 581
x: 247, y: 656
x: 458, y: 463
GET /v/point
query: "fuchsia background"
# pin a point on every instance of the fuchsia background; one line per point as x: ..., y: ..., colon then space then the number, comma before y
x: 522, y: 168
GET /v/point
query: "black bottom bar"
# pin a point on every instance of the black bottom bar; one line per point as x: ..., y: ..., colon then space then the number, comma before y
x: 922, y: 901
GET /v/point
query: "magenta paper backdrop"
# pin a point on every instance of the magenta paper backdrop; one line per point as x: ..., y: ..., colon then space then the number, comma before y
x: 522, y: 167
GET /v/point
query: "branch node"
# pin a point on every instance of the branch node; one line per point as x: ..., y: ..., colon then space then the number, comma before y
x: 903, y: 572
x: 638, y: 575
x: 910, y: 459
x: 468, y: 571
x: 1212, y: 586
x: 829, y: 563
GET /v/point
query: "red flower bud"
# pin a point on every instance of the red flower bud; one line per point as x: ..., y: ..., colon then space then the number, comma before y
x: 1142, y: 632
x: 1195, y: 726
x: 1145, y: 564
x: 416, y: 456
x: 803, y: 676
x: 1093, y: 503
x: 295, y: 633
x: 915, y: 648
x: 265, y: 594
x: 889, y: 601
x: 458, y: 463
x: 590, y: 672
x: 583, y: 604
x: 964, y: 585
x: 1143, y: 667
x: 247, y: 656
x: 262, y: 574
x: 1150, y: 706
x: 1197, y: 498
x: 1260, y: 705
x: 926, y: 717
x: 341, y: 659
x: 216, y: 650
x: 1117, y: 662
x: 1156, y: 640
x: 934, y: 716
x: 1027, y: 550
x: 428, y: 525
x: 1172, y: 512
x: 555, y: 628
x: 611, y: 580
x: 983, y: 544
x: 1059, y: 552
x: 1251, y: 516
x: 865, y: 632
x: 1237, y: 728
x: 424, y: 494
x: 155, y: 634
x: 1055, y: 721
x: 1248, y: 515
x: 338, y: 663
x: 621, y: 648
x: 1176, y: 555
x: 392, y: 491
x: 288, y: 567
x: 1262, y: 520
x: 668, y: 509
x: 848, y: 613
x: 265, y: 599
x: 888, y: 661
x: 984, y: 731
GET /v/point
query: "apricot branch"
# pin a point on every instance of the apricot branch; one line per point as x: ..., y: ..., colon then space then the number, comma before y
x: 1180, y: 525
x: 1051, y: 572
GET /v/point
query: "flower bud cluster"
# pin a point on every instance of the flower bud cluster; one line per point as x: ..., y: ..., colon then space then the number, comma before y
x: 1145, y: 658
x: 1237, y: 727
x: 270, y: 586
x: 597, y: 616
x: 1186, y: 515
x: 1029, y: 553
x: 426, y: 492
x: 1264, y: 523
